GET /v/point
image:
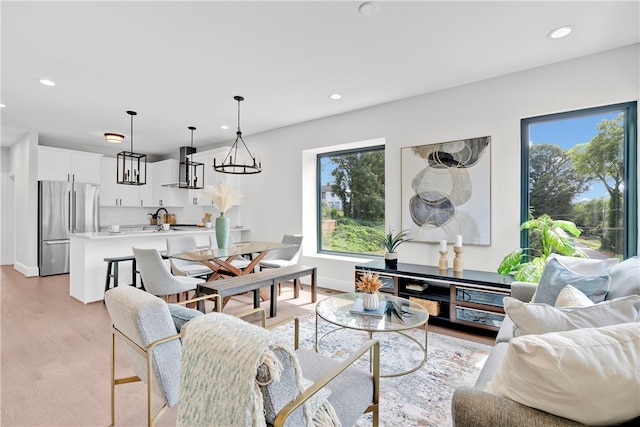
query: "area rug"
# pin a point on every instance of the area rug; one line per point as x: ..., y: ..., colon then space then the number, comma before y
x: 421, y: 398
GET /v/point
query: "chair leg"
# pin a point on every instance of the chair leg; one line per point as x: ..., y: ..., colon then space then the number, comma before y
x: 113, y: 379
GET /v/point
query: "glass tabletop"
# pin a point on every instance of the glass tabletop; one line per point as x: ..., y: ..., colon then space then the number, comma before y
x: 337, y: 310
x: 238, y: 249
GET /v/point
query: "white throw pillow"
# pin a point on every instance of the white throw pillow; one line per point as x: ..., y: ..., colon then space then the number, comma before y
x: 531, y: 318
x: 572, y: 297
x: 589, y: 375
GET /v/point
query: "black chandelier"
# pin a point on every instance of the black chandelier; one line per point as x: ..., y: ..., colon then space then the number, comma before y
x: 238, y: 163
x: 191, y: 173
x: 131, y: 168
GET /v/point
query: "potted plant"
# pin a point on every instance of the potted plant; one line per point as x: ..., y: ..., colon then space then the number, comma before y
x: 369, y: 284
x: 390, y: 243
x: 526, y: 264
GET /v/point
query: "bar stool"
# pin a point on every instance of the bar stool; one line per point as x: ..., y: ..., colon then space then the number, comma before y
x: 112, y: 270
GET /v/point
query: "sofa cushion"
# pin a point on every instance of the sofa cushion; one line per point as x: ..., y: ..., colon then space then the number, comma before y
x: 589, y: 276
x: 572, y: 297
x: 589, y: 375
x: 491, y: 365
x: 278, y: 393
x: 625, y: 279
x: 531, y: 318
x: 351, y: 391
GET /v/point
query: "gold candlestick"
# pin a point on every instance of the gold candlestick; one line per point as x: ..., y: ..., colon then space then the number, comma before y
x: 443, y: 262
x: 457, y: 260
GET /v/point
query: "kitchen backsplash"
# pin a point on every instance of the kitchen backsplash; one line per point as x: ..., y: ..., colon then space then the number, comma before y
x: 185, y: 215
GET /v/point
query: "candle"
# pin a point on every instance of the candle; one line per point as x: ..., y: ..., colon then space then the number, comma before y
x: 458, y: 240
x: 443, y: 245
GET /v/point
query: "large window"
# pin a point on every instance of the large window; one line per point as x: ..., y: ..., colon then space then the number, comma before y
x: 581, y: 166
x: 350, y: 186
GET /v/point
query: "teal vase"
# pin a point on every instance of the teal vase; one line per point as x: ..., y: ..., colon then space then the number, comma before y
x: 222, y: 231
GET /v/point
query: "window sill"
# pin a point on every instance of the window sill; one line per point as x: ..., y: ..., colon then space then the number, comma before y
x: 345, y: 258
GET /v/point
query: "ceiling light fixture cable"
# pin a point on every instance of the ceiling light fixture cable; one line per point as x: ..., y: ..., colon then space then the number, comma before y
x: 233, y: 163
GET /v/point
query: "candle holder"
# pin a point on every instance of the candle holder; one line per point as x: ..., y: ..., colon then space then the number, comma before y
x: 457, y: 260
x: 443, y: 263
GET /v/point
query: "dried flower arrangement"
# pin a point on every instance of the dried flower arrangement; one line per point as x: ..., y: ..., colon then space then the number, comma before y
x: 369, y: 283
x: 224, y: 195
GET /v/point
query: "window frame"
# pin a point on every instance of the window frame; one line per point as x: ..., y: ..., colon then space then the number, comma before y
x: 319, y: 156
x: 630, y: 152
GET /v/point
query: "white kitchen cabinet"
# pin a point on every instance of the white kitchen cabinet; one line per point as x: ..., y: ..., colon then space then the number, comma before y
x: 146, y: 191
x: 58, y: 164
x: 165, y: 192
x: 114, y: 194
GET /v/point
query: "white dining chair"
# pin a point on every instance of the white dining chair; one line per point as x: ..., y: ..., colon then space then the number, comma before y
x: 284, y: 256
x: 181, y: 267
x: 156, y: 277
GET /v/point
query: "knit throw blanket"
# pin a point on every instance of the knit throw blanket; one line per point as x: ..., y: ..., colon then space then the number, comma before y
x: 220, y: 357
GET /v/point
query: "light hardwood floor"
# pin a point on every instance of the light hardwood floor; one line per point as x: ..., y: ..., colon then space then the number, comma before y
x: 55, y: 354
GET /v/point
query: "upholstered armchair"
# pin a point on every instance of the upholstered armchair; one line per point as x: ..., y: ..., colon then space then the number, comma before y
x: 148, y: 328
x: 252, y: 372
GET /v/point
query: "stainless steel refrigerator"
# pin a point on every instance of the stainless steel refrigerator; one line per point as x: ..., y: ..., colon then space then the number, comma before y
x: 64, y: 208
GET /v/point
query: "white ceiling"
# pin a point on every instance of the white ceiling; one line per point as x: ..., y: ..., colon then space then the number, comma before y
x: 179, y: 64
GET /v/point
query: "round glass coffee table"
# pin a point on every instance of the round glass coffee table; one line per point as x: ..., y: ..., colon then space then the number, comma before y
x: 337, y: 310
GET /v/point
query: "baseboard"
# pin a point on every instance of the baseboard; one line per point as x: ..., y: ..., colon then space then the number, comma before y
x: 25, y: 270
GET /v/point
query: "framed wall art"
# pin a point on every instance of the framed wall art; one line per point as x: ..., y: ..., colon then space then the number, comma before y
x: 446, y: 191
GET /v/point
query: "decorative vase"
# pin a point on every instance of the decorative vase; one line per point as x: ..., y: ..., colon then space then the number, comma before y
x: 222, y: 231
x: 391, y: 260
x: 370, y: 301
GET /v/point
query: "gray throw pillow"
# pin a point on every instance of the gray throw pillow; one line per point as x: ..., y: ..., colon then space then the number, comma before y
x: 557, y: 275
x: 181, y: 314
x: 625, y: 278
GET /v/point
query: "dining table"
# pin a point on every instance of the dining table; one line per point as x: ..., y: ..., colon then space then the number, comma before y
x: 219, y: 260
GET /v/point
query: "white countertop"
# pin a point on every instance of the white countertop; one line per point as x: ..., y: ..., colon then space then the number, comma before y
x: 147, y: 233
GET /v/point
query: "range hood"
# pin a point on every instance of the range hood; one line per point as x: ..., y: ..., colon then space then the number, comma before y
x: 190, y: 173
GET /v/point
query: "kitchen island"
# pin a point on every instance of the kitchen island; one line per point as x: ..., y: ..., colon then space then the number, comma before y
x: 88, y: 250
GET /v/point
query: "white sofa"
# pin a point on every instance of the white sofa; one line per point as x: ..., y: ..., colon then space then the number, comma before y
x: 476, y: 407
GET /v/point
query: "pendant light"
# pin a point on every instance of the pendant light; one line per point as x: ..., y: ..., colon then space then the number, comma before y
x: 238, y: 163
x: 191, y: 173
x: 131, y: 167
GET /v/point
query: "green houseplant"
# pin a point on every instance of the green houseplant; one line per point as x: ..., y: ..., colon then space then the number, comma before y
x: 390, y: 243
x: 526, y: 264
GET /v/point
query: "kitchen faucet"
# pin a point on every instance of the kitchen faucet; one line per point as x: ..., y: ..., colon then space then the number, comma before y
x: 158, y: 216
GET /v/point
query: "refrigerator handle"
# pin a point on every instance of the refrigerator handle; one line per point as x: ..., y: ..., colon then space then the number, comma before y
x: 73, y: 212
x: 69, y: 211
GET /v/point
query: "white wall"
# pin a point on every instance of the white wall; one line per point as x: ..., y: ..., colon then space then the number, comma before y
x: 23, y: 167
x: 274, y: 202
x: 7, y: 213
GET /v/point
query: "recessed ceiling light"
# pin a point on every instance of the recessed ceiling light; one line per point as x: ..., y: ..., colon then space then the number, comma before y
x: 560, y: 32
x: 225, y: 127
x: 47, y: 82
x: 335, y: 96
x: 368, y: 8
x: 2, y: 105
